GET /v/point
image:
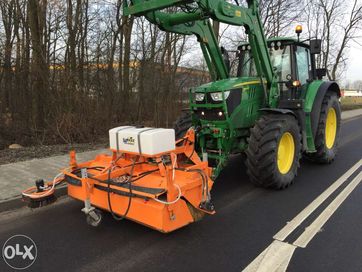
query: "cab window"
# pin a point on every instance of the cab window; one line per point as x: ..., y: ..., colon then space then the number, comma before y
x: 245, y: 65
x: 280, y: 59
x: 303, y: 64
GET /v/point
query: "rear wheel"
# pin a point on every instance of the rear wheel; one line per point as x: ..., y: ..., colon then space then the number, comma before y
x: 274, y: 151
x: 327, y: 137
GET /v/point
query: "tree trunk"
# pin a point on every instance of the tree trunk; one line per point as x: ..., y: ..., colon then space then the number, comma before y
x: 39, y: 67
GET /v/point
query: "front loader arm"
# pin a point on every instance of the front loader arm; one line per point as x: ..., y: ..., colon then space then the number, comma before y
x: 187, y: 24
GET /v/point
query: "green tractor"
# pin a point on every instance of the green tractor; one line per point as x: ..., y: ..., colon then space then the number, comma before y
x: 272, y: 106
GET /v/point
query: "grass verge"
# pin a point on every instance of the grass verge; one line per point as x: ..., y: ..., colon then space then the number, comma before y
x: 351, y: 103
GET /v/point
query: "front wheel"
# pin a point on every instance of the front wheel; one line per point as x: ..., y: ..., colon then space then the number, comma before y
x: 274, y: 151
x: 182, y: 124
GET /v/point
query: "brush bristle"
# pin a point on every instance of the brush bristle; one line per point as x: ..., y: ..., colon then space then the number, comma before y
x: 41, y: 202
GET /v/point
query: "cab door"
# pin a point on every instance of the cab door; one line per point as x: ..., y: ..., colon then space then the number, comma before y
x: 303, y: 65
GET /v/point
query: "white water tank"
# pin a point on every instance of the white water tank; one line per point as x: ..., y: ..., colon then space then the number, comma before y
x: 146, y: 141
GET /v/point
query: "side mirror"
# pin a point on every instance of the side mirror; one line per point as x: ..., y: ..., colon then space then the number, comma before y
x: 226, y: 57
x: 315, y: 46
x: 321, y: 72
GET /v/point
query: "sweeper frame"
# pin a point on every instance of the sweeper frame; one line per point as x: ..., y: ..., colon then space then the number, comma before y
x: 165, y: 192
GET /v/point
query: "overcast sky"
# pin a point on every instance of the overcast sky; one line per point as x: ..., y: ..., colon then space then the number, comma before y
x: 354, y: 71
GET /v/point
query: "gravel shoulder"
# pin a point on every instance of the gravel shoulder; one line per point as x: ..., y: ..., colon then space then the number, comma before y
x: 42, y: 151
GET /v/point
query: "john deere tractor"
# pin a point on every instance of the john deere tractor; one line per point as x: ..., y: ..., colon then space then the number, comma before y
x: 274, y: 106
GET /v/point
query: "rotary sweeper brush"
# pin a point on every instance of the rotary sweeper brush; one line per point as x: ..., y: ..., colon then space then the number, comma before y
x: 150, y: 179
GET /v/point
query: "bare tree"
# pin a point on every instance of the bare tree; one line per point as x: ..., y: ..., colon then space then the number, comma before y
x: 39, y: 69
x: 7, y: 12
x: 278, y: 15
x: 336, y: 22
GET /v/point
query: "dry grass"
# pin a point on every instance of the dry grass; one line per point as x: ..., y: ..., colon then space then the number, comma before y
x: 351, y: 103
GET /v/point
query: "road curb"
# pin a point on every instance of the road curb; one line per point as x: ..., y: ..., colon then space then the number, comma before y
x: 17, y: 202
x: 351, y: 114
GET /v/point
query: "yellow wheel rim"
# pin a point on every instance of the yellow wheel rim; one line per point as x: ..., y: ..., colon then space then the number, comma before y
x: 286, y: 150
x: 331, y: 128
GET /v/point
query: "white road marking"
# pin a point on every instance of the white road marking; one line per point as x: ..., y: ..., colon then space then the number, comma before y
x: 292, y: 225
x: 277, y: 255
x: 317, y: 224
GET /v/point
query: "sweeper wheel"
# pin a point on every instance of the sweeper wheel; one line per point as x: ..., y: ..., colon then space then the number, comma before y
x: 95, y: 218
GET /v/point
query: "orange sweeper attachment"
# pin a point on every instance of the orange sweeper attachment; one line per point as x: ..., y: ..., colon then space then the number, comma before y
x: 144, y: 180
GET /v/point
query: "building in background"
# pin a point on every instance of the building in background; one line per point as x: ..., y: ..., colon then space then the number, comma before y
x: 351, y: 93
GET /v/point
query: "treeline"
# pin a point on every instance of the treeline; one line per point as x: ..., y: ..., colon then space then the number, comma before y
x: 71, y: 69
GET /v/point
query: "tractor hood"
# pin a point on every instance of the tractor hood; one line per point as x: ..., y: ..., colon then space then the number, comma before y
x: 227, y: 84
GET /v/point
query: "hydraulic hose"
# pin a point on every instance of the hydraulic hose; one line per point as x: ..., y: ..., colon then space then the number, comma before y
x: 129, y: 181
x: 205, y: 185
x: 173, y: 201
x: 33, y: 194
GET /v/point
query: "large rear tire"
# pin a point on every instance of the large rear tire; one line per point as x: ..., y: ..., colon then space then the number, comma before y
x: 182, y: 124
x: 274, y: 151
x: 327, y: 136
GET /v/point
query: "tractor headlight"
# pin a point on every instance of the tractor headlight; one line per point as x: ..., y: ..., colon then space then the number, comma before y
x: 199, y: 97
x: 218, y: 96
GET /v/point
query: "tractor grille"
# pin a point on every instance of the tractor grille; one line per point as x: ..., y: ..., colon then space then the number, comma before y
x: 213, y: 114
x: 210, y: 114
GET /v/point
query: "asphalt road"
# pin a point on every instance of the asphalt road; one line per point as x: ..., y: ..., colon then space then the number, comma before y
x: 247, y: 219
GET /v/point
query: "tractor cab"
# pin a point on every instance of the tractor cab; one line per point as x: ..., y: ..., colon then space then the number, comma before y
x: 293, y: 63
